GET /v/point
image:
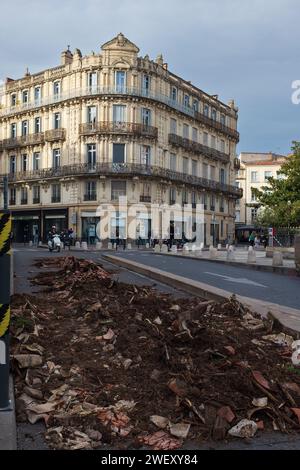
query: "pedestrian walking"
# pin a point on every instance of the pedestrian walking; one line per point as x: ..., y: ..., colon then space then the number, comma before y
x: 252, y: 239
x: 257, y: 241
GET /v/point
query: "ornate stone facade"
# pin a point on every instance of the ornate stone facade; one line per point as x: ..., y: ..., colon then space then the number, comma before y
x: 111, y: 124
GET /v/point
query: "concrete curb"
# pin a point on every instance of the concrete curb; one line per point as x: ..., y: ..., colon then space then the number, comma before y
x: 288, y: 318
x: 285, y: 270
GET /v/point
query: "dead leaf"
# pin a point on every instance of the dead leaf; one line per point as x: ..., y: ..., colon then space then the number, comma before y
x: 260, y: 402
x: 124, y: 405
x: 296, y: 411
x: 159, y: 421
x: 127, y: 363
x: 28, y: 360
x: 34, y: 418
x: 109, y: 335
x: 180, y: 430
x: 281, y: 339
x: 230, y: 350
x: 42, y: 408
x: 178, y: 387
x: 160, y: 440
x: 293, y: 387
x: 260, y: 379
x: 226, y: 413
x: 33, y: 392
x: 35, y: 348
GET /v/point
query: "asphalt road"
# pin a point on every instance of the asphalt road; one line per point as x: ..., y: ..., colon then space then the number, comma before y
x: 271, y: 287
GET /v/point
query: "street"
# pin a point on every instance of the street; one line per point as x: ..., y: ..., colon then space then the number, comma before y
x: 270, y: 287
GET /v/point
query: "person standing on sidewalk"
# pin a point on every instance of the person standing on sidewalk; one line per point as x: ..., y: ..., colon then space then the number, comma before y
x: 252, y: 239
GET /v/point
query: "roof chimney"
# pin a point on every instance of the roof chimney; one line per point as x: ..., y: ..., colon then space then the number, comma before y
x: 66, y: 57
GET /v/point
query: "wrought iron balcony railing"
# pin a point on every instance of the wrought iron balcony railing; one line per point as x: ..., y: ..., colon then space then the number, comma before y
x: 217, y: 125
x: 24, y: 202
x: 195, y: 147
x: 55, y: 199
x: 127, y: 128
x: 90, y: 197
x: 122, y: 91
x: 125, y: 170
x: 36, y: 200
x: 23, y: 141
x: 145, y: 198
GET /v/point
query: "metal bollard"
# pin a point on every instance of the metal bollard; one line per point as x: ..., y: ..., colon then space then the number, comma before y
x: 5, y: 231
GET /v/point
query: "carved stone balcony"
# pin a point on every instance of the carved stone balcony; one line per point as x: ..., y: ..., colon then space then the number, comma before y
x: 195, y: 147
x: 128, y: 171
x: 126, y: 128
x: 55, y: 135
x: 23, y: 141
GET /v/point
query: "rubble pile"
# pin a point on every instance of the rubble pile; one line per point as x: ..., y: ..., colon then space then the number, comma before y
x: 103, y: 363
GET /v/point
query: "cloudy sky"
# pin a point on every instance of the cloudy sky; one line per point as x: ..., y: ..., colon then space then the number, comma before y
x: 248, y: 50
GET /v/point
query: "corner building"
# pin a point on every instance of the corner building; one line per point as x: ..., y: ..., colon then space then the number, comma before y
x: 113, y: 124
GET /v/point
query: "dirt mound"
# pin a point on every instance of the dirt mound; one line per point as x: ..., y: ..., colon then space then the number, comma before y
x: 103, y: 362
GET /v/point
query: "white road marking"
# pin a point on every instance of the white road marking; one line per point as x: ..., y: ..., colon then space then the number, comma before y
x: 238, y: 280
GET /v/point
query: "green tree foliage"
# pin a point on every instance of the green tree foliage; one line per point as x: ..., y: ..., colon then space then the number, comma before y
x: 280, y: 199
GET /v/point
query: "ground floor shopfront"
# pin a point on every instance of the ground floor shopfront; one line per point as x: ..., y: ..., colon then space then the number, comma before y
x: 34, y: 225
x: 140, y: 227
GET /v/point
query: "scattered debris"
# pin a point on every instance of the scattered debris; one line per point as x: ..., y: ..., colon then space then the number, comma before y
x: 243, y: 429
x: 226, y: 413
x: 281, y: 339
x: 159, y: 421
x: 160, y: 441
x: 104, y: 363
x: 180, y: 430
x: 260, y: 402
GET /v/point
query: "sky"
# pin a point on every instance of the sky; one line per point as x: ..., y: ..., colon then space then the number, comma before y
x: 248, y: 50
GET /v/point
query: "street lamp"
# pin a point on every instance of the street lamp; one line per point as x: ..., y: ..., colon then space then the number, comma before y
x: 213, y: 220
x: 5, y: 193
